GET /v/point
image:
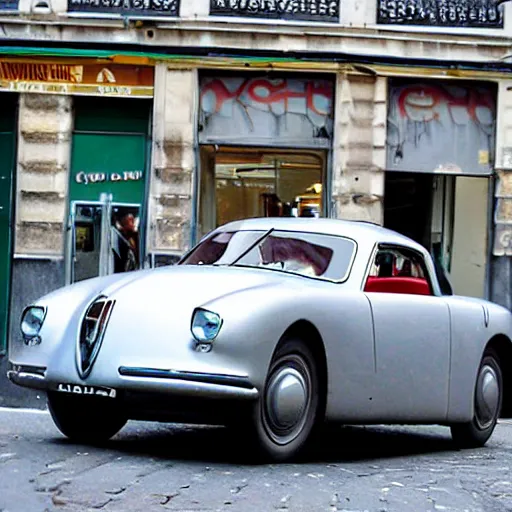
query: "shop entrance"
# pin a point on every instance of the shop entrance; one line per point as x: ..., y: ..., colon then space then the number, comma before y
x: 446, y: 214
x: 7, y: 161
x: 107, y: 188
x: 240, y: 183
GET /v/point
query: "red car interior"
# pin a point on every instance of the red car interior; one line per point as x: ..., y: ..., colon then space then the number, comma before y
x: 410, y: 285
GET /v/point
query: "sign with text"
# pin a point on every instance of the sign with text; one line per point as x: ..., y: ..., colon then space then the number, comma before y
x: 86, y: 79
x: 301, y: 10
x: 108, y: 163
x: 133, y: 7
x: 441, y: 13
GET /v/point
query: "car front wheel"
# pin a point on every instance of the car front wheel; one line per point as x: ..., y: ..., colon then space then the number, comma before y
x: 487, y: 405
x: 85, y: 419
x: 287, y: 410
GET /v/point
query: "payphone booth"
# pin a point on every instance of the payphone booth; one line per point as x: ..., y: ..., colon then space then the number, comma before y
x: 107, y: 191
x: 104, y: 238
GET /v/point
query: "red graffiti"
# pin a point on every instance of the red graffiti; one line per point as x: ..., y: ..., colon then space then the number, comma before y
x: 428, y: 98
x: 267, y: 92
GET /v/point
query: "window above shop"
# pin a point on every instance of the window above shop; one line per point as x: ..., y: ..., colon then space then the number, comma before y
x: 127, y: 7
x: 308, y: 10
x: 441, y: 13
x: 210, y: 23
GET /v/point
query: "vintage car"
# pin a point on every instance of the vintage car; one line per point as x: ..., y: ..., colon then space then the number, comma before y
x: 272, y: 327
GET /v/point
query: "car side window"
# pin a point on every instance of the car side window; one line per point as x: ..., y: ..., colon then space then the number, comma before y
x: 398, y: 270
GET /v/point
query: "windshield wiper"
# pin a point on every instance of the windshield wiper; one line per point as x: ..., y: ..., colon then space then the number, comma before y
x: 252, y: 246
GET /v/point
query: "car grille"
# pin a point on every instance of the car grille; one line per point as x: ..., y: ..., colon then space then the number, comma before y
x: 91, y: 333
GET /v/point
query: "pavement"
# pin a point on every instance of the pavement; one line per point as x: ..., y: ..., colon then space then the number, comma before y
x: 157, y: 467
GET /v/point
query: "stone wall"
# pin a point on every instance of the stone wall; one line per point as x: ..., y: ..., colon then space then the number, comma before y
x: 171, y: 189
x: 359, y: 148
x: 501, y: 263
x: 45, y: 124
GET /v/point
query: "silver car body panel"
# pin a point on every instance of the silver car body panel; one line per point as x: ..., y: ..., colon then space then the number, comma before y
x: 390, y: 357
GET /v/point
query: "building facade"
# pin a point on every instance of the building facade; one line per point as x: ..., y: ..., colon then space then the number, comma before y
x: 129, y: 131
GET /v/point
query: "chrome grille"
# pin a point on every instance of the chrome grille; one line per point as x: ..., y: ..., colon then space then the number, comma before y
x: 91, y: 333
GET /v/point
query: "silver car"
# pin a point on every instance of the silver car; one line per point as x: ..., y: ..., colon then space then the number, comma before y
x: 274, y: 327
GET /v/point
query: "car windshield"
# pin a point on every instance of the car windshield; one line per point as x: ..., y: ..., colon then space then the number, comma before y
x: 308, y: 254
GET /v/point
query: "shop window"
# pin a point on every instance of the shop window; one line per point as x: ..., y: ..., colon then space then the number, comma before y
x: 247, y: 183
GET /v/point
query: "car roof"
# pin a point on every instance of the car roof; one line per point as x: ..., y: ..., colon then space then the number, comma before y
x: 356, y: 230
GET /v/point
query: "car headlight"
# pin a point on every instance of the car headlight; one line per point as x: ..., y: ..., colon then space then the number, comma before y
x: 32, y: 321
x: 205, y: 325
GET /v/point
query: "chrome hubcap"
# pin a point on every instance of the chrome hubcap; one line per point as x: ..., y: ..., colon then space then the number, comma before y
x: 487, y: 398
x: 287, y: 400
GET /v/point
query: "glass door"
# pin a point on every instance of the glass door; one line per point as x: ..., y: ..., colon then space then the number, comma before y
x: 104, y: 239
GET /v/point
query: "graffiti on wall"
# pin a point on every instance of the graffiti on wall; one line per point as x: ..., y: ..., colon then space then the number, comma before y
x: 277, y: 111
x: 141, y: 7
x: 312, y: 10
x: 441, y: 128
x: 451, y: 13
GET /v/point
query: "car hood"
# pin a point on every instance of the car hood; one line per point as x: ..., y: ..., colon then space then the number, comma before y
x: 193, y: 285
x: 149, y: 304
x: 180, y: 284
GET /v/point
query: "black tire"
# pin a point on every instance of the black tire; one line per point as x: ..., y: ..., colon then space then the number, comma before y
x: 85, y: 419
x: 281, y: 435
x: 488, y: 398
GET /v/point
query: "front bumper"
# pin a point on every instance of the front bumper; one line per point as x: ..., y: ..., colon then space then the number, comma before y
x: 150, y: 380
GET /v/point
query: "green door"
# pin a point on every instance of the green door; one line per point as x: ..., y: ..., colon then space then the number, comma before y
x: 7, y: 159
x: 107, y: 187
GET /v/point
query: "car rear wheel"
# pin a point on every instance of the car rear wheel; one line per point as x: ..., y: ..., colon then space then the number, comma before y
x: 487, y: 405
x: 85, y: 419
x: 287, y: 410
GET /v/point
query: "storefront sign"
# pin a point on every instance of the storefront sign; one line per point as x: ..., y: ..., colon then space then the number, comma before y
x: 134, y: 7
x: 309, y: 10
x: 108, y: 163
x: 31, y: 72
x: 102, y: 177
x: 271, y: 111
x: 441, y: 13
x: 441, y: 128
x: 87, y: 79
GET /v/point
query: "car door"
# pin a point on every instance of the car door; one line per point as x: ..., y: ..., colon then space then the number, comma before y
x: 412, y: 337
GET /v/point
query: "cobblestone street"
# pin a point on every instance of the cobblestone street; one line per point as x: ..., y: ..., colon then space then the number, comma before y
x: 156, y: 467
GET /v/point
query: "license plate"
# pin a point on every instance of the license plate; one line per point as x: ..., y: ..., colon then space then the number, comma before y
x: 79, y: 389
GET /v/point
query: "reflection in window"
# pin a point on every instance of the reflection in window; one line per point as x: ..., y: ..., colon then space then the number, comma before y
x: 308, y: 254
x: 295, y: 255
x: 222, y: 248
